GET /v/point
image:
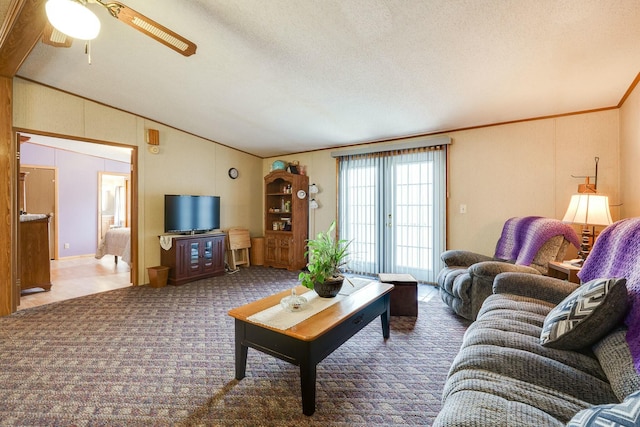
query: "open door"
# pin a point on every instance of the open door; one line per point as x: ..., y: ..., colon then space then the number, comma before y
x: 114, y: 207
x: 19, y: 179
x: 39, y: 197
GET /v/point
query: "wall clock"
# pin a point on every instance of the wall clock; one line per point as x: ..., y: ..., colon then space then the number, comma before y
x: 233, y: 173
x: 302, y: 194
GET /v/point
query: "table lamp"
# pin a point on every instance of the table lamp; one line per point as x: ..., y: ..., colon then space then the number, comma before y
x: 588, y: 210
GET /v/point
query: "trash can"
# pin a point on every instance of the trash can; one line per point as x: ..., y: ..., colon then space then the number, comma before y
x: 257, y: 251
x: 158, y: 276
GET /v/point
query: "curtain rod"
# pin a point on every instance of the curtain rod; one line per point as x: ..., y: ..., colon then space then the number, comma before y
x: 404, y: 144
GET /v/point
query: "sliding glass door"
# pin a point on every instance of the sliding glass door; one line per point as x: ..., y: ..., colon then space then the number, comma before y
x: 392, y: 208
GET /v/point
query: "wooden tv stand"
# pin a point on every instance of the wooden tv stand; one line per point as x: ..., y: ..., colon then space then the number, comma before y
x: 194, y: 257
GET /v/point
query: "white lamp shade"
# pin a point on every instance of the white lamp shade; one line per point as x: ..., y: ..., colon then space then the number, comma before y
x: 73, y: 19
x: 588, y: 209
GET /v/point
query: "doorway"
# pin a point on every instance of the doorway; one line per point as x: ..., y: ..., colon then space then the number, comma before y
x: 114, y: 194
x: 392, y: 208
x: 83, y: 212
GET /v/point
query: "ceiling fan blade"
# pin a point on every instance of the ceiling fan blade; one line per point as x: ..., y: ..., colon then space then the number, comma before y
x: 150, y: 27
x: 53, y: 37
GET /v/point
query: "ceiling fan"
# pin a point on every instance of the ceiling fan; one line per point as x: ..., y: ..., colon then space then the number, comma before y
x: 74, y: 12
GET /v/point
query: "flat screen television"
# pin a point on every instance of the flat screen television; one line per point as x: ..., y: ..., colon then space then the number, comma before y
x: 187, y: 214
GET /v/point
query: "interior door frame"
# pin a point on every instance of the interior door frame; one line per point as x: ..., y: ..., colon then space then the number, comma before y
x: 133, y: 202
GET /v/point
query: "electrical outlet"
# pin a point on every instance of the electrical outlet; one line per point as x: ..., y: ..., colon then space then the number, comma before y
x: 463, y: 209
x: 66, y: 246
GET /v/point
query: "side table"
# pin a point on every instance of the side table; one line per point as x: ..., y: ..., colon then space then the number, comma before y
x: 404, y: 296
x: 564, y: 271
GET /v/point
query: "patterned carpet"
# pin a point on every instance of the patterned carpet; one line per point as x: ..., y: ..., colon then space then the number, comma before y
x: 141, y: 356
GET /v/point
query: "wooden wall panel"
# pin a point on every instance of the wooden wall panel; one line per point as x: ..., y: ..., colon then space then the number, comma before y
x: 20, y: 31
x: 8, y: 217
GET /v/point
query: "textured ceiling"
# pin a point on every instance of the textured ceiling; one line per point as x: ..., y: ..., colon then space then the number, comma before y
x: 283, y: 76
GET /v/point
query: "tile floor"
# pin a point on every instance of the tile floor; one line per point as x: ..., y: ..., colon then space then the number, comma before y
x: 76, y: 277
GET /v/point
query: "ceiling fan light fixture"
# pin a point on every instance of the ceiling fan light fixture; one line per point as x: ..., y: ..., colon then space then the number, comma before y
x: 73, y: 19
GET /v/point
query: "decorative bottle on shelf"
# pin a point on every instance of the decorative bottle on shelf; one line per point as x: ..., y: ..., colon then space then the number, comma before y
x: 282, y: 205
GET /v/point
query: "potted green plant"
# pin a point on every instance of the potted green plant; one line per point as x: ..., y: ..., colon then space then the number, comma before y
x: 326, y: 256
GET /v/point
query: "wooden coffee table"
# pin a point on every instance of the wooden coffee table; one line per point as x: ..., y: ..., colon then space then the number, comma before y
x: 310, y: 341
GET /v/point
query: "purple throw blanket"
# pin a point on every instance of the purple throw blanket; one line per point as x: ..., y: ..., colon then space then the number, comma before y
x: 616, y: 253
x: 523, y: 237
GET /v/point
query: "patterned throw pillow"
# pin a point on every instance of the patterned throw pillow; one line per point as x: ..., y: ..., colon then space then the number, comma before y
x: 625, y: 414
x: 586, y: 315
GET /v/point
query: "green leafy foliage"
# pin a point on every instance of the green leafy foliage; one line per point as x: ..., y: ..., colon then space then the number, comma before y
x: 326, y: 257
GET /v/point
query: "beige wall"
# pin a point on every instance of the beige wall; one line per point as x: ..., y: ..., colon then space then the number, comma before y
x: 503, y: 171
x: 526, y: 169
x: 630, y: 155
x: 497, y: 172
x: 185, y: 165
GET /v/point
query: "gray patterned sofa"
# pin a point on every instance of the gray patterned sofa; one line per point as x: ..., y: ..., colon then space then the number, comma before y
x: 546, y: 352
x: 526, y: 245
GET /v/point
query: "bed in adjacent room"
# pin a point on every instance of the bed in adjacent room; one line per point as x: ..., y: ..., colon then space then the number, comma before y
x: 116, y: 242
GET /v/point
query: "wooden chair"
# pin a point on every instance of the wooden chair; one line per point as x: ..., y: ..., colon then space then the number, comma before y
x: 239, y: 244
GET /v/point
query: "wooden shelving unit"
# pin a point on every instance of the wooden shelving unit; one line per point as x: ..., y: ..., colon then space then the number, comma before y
x: 286, y: 220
